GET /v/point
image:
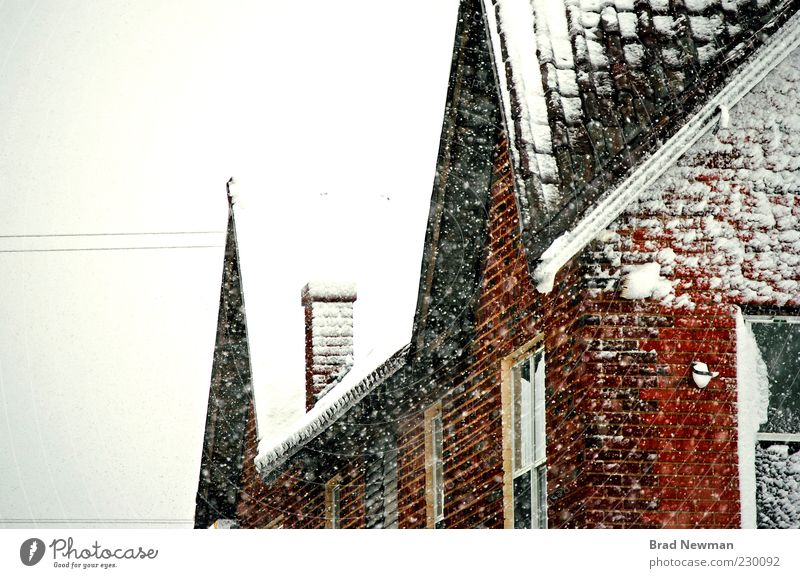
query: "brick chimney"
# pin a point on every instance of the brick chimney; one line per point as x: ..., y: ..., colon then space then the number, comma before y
x: 329, y: 335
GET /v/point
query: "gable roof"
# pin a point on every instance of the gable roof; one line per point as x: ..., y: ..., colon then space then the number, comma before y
x: 585, y: 90
x: 613, y: 202
x: 456, y: 234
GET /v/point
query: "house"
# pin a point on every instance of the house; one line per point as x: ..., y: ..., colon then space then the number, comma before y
x: 607, y: 330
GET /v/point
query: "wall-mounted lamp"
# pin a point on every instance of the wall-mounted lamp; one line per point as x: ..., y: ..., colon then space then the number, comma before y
x: 701, y: 375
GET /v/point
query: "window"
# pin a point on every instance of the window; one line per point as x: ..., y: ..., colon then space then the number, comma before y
x: 434, y: 466
x: 524, y: 427
x: 777, y: 459
x: 380, y: 490
x: 333, y: 502
x: 223, y: 524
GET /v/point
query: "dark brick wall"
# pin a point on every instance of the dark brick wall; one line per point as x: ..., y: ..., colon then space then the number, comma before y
x: 510, y: 313
x: 288, y: 502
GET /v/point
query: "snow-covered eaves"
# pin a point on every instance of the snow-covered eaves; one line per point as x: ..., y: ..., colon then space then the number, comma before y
x: 612, y: 204
x: 338, y: 400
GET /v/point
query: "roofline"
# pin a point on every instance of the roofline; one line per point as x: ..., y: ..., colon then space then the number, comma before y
x: 326, y: 412
x: 531, y: 198
x: 611, y: 205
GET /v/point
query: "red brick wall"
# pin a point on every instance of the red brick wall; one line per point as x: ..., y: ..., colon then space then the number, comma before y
x: 631, y: 441
x: 510, y: 314
x: 661, y: 452
x: 292, y: 500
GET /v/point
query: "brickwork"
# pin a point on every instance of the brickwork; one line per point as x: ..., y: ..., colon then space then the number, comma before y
x: 631, y: 441
x: 721, y: 237
x: 296, y: 498
x: 287, y: 502
x: 510, y: 314
x: 660, y: 451
x: 411, y: 472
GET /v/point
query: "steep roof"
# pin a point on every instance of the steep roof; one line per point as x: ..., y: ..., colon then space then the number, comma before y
x: 591, y: 88
x: 588, y: 91
x: 709, y: 114
x: 456, y: 233
x: 229, y: 397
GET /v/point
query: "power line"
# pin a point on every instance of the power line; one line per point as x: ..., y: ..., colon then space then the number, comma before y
x: 71, y: 250
x: 49, y: 235
x: 94, y: 520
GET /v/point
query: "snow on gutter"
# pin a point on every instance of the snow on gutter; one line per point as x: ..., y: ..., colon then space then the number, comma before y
x: 336, y: 403
x: 611, y: 205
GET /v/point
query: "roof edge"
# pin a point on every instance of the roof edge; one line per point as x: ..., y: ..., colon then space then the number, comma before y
x: 611, y: 205
x: 333, y: 406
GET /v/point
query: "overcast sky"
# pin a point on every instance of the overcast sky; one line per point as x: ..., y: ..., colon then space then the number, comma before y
x: 129, y: 117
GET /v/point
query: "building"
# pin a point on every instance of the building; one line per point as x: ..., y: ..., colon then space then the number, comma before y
x: 607, y: 330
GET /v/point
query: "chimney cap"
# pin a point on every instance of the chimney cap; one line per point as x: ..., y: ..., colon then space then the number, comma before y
x: 328, y: 292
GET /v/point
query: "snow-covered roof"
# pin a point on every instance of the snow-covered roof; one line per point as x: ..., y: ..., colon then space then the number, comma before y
x: 351, y: 389
x: 590, y: 88
x: 589, y: 91
x: 713, y: 114
x: 329, y: 244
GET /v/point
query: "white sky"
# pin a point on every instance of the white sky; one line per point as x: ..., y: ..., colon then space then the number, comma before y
x: 130, y: 116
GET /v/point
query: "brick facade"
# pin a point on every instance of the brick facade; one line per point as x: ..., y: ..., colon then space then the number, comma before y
x: 631, y: 441
x: 510, y: 313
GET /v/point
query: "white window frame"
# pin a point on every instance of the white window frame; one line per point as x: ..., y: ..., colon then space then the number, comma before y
x: 530, y: 459
x: 776, y: 437
x: 434, y: 466
x: 788, y: 319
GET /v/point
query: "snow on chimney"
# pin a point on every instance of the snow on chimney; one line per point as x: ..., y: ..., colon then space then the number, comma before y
x: 329, y: 335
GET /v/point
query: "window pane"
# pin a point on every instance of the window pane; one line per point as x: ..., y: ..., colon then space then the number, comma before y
x: 516, y: 410
x: 780, y: 347
x: 541, y: 496
x: 438, y: 468
x: 526, y: 415
x: 778, y: 485
x: 522, y: 500
x: 539, y: 443
x: 335, y: 499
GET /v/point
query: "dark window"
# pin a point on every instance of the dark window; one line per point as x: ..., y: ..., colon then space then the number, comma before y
x: 779, y: 343
x: 778, y: 449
